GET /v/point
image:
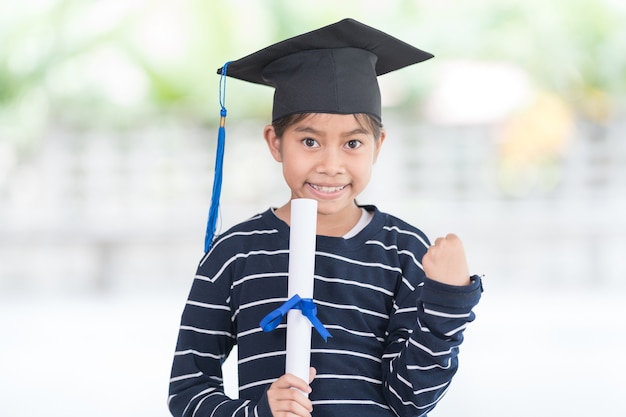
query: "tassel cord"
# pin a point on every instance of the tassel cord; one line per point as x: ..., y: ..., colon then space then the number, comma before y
x: 219, y: 165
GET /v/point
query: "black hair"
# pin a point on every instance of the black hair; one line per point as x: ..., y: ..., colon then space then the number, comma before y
x: 365, y: 120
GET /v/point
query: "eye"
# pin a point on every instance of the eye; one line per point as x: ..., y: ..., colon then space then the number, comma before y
x: 353, y: 144
x: 310, y: 143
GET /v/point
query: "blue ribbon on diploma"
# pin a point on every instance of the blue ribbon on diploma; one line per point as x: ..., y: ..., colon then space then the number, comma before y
x: 306, y: 305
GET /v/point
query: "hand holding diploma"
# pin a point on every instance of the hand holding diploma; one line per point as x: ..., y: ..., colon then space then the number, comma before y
x: 284, y: 400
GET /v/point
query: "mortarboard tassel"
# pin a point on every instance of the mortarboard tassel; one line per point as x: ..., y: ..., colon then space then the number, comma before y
x: 219, y: 161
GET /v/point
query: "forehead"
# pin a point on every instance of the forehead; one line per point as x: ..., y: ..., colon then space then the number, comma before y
x: 336, y: 123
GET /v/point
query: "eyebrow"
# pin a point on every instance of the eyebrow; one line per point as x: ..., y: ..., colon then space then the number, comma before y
x: 308, y: 129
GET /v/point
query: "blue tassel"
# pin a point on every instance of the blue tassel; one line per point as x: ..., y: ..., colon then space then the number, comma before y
x: 219, y: 162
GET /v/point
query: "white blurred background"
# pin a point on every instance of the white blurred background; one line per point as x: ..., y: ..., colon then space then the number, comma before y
x: 512, y: 137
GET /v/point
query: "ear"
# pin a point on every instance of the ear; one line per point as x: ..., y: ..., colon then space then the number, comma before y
x: 273, y: 142
x: 379, y: 144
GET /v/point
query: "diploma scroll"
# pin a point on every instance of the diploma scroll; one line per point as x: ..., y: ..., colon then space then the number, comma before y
x: 301, y: 270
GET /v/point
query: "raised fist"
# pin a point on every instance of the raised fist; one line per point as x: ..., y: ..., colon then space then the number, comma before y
x: 445, y: 261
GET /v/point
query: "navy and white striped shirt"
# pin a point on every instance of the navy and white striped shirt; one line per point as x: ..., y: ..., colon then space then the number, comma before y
x: 395, y: 332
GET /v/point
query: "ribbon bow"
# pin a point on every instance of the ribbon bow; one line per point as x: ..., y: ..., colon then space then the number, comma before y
x: 306, y: 305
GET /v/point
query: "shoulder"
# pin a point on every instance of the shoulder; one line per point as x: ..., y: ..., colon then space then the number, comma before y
x: 261, y: 231
x: 261, y: 224
x: 392, y: 228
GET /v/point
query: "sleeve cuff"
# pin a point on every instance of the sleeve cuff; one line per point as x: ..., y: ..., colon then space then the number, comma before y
x: 466, y: 296
x: 263, y: 407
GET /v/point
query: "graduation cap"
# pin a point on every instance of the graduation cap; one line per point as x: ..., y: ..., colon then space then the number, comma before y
x: 333, y: 69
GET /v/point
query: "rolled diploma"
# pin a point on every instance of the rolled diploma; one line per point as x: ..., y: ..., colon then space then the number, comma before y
x: 300, y: 282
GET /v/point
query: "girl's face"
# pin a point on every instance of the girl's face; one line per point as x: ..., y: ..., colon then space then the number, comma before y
x: 326, y: 157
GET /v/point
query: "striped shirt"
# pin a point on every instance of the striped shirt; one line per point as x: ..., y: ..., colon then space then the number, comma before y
x: 395, y: 332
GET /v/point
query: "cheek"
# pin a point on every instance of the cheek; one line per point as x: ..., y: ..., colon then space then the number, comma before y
x: 293, y: 169
x: 366, y: 174
x: 366, y: 166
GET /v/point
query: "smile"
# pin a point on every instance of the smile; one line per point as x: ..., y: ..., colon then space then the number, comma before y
x: 326, y: 189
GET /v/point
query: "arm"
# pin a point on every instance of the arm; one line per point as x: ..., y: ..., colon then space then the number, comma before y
x: 206, y: 337
x: 424, y: 341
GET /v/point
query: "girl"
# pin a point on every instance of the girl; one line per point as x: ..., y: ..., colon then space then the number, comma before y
x: 396, y: 305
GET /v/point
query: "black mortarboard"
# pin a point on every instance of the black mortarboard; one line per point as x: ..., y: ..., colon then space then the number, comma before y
x: 333, y: 69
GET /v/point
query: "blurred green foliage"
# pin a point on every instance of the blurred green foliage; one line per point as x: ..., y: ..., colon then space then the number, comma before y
x: 119, y: 64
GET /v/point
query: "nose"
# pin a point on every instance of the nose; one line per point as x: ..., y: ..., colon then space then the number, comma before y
x: 331, y: 162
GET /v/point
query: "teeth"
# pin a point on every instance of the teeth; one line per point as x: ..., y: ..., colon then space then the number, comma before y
x: 327, y: 189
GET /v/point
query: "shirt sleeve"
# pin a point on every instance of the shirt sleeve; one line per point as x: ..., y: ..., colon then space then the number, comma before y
x: 422, y: 356
x: 206, y: 337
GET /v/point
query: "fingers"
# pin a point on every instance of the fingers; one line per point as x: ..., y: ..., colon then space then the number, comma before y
x: 450, y: 238
x: 285, y: 396
x: 443, y: 246
x: 445, y: 261
x: 292, y: 381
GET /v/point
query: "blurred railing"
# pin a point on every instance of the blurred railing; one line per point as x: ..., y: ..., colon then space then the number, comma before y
x: 106, y: 212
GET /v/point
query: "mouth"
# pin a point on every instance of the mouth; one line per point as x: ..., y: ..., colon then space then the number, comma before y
x: 327, y: 189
